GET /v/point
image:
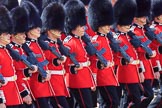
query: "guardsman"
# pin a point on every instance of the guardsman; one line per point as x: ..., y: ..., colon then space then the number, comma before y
x: 52, y: 31
x: 18, y: 38
x: 80, y: 78
x: 149, y: 70
x: 9, y: 88
x: 128, y: 69
x: 41, y: 91
x: 106, y: 78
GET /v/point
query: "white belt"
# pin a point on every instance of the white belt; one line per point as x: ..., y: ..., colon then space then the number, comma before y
x: 135, y: 62
x: 12, y: 78
x: 56, y: 72
x: 85, y: 64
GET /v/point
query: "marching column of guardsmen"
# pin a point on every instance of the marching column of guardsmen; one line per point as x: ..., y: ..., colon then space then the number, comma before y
x: 151, y: 69
x: 49, y: 59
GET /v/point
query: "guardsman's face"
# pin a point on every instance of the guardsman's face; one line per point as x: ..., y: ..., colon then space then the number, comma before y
x: 141, y: 21
x: 79, y: 31
x: 104, y: 29
x: 20, y: 38
x: 35, y: 33
x: 123, y: 28
x: 5, y: 38
x: 159, y: 19
x: 55, y: 33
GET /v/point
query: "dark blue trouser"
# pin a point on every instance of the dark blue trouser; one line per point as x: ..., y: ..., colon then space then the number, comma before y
x: 43, y: 102
x: 133, y: 96
x: 148, y: 93
x: 82, y: 97
x: 16, y: 106
x: 108, y: 97
x: 59, y: 101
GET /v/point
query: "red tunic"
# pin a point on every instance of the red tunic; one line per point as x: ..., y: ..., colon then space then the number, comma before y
x: 155, y: 44
x: 126, y: 73
x: 57, y: 80
x: 139, y: 31
x: 39, y: 89
x: 106, y: 76
x: 11, y: 91
x: 83, y: 78
x: 19, y: 67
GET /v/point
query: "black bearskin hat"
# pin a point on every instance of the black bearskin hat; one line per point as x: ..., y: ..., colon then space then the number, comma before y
x: 33, y: 15
x: 46, y: 3
x: 143, y: 8
x: 86, y: 2
x: 10, y: 4
x: 75, y: 15
x: 37, y: 3
x: 6, y: 24
x: 62, y: 1
x: 100, y: 13
x: 157, y: 8
x: 53, y: 17
x: 125, y: 11
x: 20, y: 19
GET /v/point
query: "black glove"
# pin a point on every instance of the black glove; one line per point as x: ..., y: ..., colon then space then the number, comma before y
x: 40, y: 79
x: 72, y: 69
x: 123, y: 61
x: 147, y: 56
x: 26, y: 73
x: 100, y: 65
x: 55, y: 62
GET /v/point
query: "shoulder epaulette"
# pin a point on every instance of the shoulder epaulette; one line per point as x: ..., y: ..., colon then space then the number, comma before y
x: 11, y: 45
x: 116, y: 35
x: 28, y: 43
x: 94, y: 38
x: 132, y: 28
x: 152, y: 26
x: 67, y: 39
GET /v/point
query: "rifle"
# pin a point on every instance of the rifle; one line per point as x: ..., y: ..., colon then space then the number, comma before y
x: 45, y: 46
x: 122, y: 50
x: 151, y: 35
x: 32, y: 59
x: 91, y: 50
x: 136, y: 42
x: 65, y: 51
x: 16, y: 56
